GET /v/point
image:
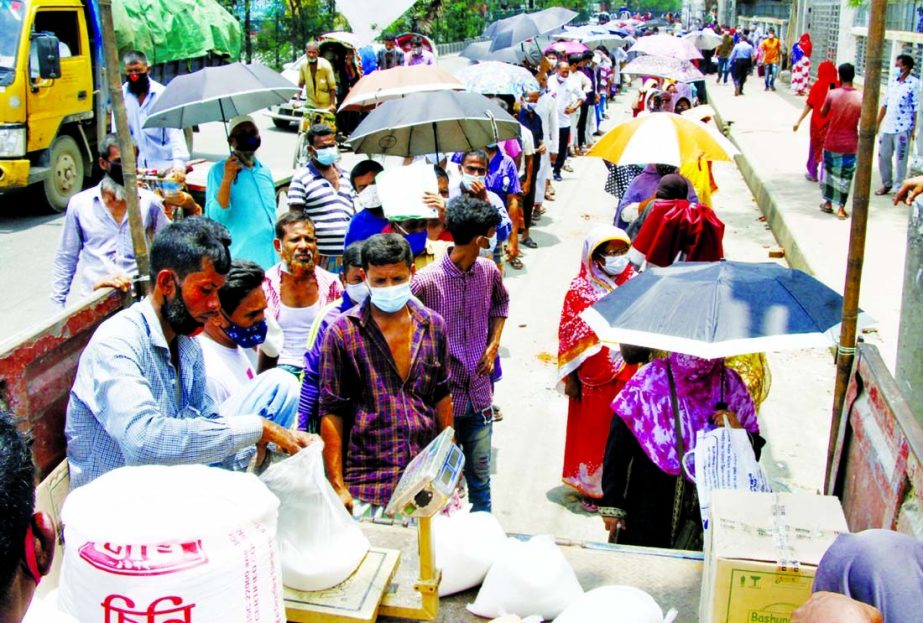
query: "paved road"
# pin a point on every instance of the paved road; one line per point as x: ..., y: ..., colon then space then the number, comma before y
x: 528, y: 444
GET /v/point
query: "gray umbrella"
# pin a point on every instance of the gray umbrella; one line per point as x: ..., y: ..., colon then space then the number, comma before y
x: 516, y: 29
x: 433, y: 123
x: 480, y: 51
x: 218, y: 94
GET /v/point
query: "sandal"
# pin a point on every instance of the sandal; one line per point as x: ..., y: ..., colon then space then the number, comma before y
x: 549, y: 197
x: 528, y: 242
x: 498, y: 414
x: 588, y: 506
x: 825, y: 209
x: 516, y: 263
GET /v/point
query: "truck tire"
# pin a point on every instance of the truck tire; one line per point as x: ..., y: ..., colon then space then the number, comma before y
x: 65, y: 175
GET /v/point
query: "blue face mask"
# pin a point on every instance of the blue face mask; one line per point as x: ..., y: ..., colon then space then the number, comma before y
x: 327, y: 155
x: 390, y: 299
x: 417, y: 242
x: 247, y: 337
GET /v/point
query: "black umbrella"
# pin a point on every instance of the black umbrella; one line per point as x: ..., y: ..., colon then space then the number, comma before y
x: 719, y: 309
x: 480, y: 51
x: 218, y: 94
x: 519, y: 28
x: 437, y: 122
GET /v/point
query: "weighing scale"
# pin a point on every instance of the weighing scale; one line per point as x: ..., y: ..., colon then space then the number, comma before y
x: 427, y: 484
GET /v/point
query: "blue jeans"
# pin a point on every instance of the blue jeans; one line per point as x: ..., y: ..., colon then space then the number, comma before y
x: 771, y: 70
x: 473, y: 432
x: 724, y: 68
x: 600, y: 109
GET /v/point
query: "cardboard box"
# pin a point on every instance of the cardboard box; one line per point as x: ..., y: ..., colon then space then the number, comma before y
x: 761, y: 552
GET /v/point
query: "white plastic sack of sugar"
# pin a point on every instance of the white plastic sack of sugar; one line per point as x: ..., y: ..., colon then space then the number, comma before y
x: 527, y: 578
x: 466, y: 545
x: 320, y: 544
x: 615, y: 604
x: 183, y: 543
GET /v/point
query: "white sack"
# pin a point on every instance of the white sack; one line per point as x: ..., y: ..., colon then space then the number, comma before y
x: 184, y: 542
x: 615, y: 604
x: 466, y: 545
x: 724, y: 459
x: 320, y: 543
x: 527, y: 577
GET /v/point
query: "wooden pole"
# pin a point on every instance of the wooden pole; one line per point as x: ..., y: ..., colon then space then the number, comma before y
x: 868, y: 127
x: 129, y: 165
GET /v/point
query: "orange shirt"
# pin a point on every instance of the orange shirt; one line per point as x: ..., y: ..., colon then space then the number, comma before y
x: 771, y: 49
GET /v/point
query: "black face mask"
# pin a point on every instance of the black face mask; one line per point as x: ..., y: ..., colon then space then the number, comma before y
x: 115, y: 172
x: 248, y: 142
x: 139, y: 83
x: 177, y: 314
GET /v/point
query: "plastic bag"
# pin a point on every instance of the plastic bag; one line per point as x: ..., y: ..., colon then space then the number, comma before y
x: 615, y: 604
x: 466, y: 545
x: 319, y: 543
x: 527, y: 578
x: 724, y: 459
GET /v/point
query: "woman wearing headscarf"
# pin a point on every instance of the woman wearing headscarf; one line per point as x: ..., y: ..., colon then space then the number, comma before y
x: 642, y: 188
x: 827, y: 79
x: 801, y: 64
x: 592, y: 373
x: 646, y: 498
x: 675, y: 229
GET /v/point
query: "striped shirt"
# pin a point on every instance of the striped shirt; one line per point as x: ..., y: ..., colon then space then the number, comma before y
x: 130, y: 406
x: 386, y: 419
x: 329, y: 208
x: 467, y: 301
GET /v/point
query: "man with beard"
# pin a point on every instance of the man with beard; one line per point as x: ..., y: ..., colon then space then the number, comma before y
x: 241, y: 195
x: 296, y: 289
x: 96, y: 232
x: 139, y: 396
x: 317, y: 79
x: 163, y: 149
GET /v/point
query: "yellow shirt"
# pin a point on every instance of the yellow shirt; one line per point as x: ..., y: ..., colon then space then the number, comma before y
x: 771, y: 48
x: 319, y: 89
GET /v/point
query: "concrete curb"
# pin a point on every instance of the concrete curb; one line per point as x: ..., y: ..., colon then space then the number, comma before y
x: 768, y: 205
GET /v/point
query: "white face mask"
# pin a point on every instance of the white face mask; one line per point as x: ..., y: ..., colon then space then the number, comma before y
x: 469, y: 180
x: 368, y: 197
x: 489, y: 251
x: 358, y: 292
x: 615, y: 265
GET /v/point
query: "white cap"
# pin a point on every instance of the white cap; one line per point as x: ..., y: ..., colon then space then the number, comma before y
x: 236, y: 121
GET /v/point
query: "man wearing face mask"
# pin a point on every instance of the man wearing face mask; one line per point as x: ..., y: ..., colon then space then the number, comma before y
x: 474, y: 173
x: 416, y: 232
x: 569, y: 98
x: 317, y: 79
x: 139, y: 396
x: 241, y: 195
x: 96, y: 234
x: 468, y: 292
x: 384, y: 386
x: 417, y: 55
x: 322, y: 191
x: 370, y: 218
x: 391, y: 56
x: 163, y: 149
x: 228, y: 336
x: 356, y: 291
x: 296, y: 288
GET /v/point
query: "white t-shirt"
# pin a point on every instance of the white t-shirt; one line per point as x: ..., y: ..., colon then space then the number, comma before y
x: 296, y: 324
x: 566, y: 94
x: 226, y: 369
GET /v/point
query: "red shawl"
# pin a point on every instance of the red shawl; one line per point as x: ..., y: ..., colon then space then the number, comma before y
x: 676, y: 226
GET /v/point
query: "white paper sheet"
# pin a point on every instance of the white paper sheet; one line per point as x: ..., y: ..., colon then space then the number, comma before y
x: 401, y: 191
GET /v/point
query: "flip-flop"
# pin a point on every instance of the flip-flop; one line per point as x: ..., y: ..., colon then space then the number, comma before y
x: 528, y: 242
x: 825, y: 209
x: 516, y: 263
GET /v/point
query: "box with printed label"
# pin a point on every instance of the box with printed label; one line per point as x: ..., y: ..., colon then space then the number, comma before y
x: 761, y: 552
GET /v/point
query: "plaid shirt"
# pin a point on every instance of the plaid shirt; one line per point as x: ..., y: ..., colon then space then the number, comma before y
x: 329, y: 288
x: 467, y: 301
x: 389, y: 420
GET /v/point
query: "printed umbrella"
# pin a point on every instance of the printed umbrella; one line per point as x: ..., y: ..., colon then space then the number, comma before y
x: 512, y: 30
x: 567, y: 47
x: 438, y: 122
x: 663, y: 67
x: 664, y: 138
x: 666, y: 45
x: 720, y: 309
x: 380, y: 86
x: 704, y: 39
x: 218, y: 94
x: 493, y: 78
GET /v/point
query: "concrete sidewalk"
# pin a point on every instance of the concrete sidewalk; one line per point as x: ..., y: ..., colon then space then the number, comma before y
x: 772, y: 162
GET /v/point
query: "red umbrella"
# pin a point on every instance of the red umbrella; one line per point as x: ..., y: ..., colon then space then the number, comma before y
x: 567, y: 47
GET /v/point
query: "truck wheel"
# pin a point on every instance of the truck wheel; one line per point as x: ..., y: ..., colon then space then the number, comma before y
x: 65, y: 177
x: 282, y: 124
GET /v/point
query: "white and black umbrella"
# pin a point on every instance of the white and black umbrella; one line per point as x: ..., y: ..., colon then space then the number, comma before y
x: 433, y: 123
x: 514, y: 30
x: 218, y: 94
x: 719, y: 309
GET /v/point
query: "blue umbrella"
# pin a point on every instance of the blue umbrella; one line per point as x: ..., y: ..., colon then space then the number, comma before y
x: 519, y: 28
x: 719, y: 309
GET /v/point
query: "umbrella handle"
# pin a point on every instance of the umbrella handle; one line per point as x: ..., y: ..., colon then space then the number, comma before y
x: 493, y: 126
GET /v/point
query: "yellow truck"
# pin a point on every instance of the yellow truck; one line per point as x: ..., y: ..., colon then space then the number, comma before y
x: 53, y: 100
